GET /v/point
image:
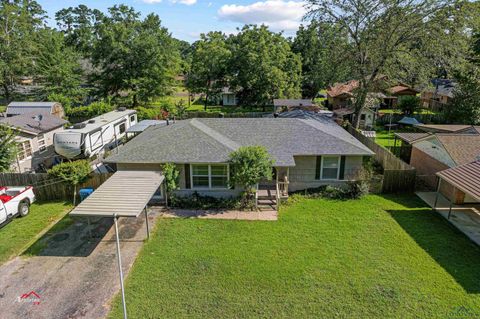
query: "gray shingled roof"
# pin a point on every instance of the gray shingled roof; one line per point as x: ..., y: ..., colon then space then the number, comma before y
x: 212, y: 140
x: 17, y: 108
x: 29, y: 123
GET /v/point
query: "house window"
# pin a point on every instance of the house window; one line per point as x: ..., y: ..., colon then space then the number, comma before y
x: 24, y: 150
x: 209, y: 176
x: 330, y: 167
x: 42, y: 146
x: 362, y: 117
x: 132, y: 118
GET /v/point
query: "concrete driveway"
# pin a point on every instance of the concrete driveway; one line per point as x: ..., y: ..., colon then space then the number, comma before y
x: 75, y: 274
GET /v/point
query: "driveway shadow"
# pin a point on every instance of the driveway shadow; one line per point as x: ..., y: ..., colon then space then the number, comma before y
x: 449, y: 247
x: 71, y: 237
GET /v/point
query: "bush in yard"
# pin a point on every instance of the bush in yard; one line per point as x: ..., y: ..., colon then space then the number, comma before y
x: 89, y: 111
x: 409, y: 104
x: 197, y: 201
x: 72, y: 173
x: 171, y: 174
x: 250, y: 164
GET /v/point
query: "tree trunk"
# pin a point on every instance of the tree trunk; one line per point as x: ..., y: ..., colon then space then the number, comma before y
x: 135, y: 100
x: 359, y: 105
x: 206, y: 101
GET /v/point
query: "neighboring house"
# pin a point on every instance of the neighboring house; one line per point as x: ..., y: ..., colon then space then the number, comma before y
x: 228, y: 97
x: 396, y: 93
x: 439, y: 152
x: 439, y: 95
x: 341, y: 95
x: 34, y: 134
x: 292, y: 104
x: 51, y: 108
x: 307, y: 153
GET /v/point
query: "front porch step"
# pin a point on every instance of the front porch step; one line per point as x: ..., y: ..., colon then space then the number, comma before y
x: 267, y: 193
x: 269, y: 201
x: 265, y: 208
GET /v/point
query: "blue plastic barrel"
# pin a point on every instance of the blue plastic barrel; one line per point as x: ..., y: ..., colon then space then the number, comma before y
x: 85, y: 192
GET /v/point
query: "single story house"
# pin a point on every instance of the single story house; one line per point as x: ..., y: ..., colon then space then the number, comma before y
x: 292, y: 104
x: 34, y: 134
x: 440, y: 94
x: 307, y: 153
x: 340, y: 95
x: 51, y: 108
x: 439, y: 152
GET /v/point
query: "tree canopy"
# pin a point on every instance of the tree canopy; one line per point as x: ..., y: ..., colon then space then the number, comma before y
x: 8, y: 148
x: 264, y: 66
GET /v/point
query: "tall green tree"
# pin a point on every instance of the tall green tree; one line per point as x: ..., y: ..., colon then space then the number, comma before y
x: 79, y: 26
x: 209, y: 65
x: 135, y: 56
x: 19, y: 20
x: 8, y: 148
x: 57, y: 65
x: 263, y: 66
x: 379, y: 31
x: 323, y: 48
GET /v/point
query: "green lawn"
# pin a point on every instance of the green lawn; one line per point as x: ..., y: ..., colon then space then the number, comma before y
x: 2, y: 108
x: 378, y: 257
x: 385, y: 138
x: 20, y: 233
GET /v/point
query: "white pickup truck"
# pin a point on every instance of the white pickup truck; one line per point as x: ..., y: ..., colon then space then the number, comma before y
x: 15, y: 201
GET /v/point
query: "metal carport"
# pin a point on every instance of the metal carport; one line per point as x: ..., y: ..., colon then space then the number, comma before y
x: 465, y: 178
x: 125, y: 194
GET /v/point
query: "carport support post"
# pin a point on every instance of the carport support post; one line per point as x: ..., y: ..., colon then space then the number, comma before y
x: 115, y: 219
x: 146, y: 220
x: 439, y: 181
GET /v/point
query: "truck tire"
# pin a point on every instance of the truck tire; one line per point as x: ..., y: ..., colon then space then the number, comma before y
x: 23, y: 208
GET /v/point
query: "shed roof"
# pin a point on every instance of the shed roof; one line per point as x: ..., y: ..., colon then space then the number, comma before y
x: 111, y: 198
x: 447, y: 128
x: 465, y: 177
x: 209, y: 140
x: 16, y: 108
x: 31, y: 124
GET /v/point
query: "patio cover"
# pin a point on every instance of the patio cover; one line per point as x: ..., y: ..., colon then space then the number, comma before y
x: 465, y: 178
x: 125, y: 194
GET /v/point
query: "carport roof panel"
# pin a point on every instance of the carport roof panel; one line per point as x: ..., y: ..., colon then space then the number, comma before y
x: 125, y: 194
x: 464, y: 177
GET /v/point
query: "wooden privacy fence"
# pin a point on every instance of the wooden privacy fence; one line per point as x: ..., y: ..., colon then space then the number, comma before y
x: 398, y: 176
x: 50, y: 188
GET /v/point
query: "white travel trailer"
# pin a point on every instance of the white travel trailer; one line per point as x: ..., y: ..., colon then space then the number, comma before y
x: 89, y: 138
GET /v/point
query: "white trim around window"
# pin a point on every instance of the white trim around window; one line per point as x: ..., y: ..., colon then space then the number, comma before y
x: 322, y: 167
x: 207, y: 175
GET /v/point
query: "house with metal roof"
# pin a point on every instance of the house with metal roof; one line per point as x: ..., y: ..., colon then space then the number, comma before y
x: 307, y: 153
x: 34, y: 134
x: 19, y: 108
x: 439, y: 152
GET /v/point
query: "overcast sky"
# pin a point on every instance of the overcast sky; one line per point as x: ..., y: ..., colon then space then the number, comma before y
x: 186, y: 19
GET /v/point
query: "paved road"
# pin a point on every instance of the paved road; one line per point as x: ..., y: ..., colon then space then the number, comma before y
x: 75, y: 275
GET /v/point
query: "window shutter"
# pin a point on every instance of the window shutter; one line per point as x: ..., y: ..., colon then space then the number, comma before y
x: 187, y: 176
x: 318, y: 167
x: 342, y: 168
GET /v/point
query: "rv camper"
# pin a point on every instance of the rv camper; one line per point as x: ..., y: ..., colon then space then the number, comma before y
x: 89, y: 138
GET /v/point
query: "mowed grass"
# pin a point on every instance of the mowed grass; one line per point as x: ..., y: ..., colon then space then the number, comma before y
x: 20, y: 233
x: 378, y: 257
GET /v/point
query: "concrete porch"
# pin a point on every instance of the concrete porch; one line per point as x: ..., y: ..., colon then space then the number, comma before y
x: 465, y: 217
